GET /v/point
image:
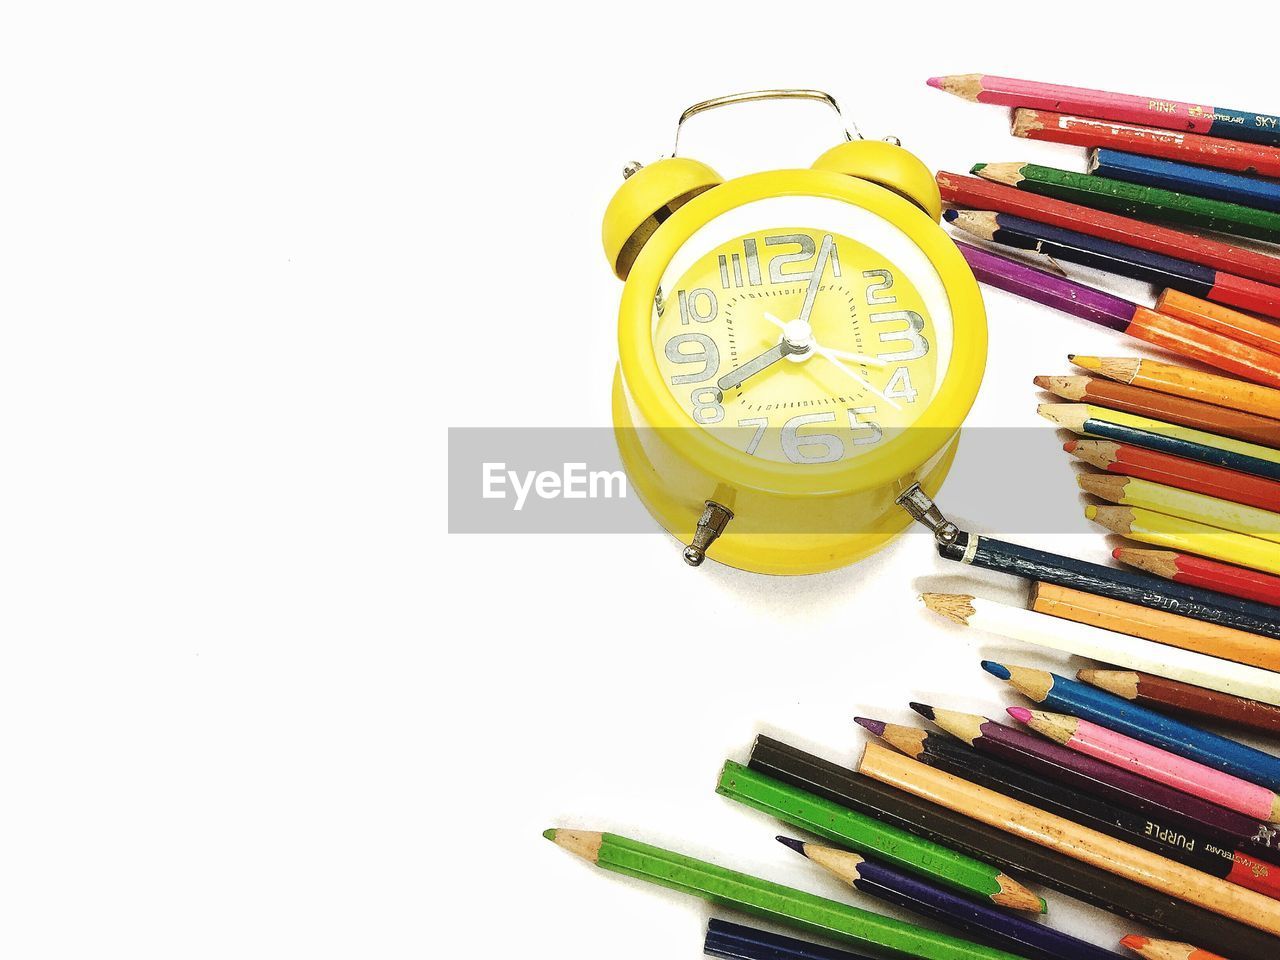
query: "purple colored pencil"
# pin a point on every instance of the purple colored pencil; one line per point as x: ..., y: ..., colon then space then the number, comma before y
x: 1077, y: 299
x: 1001, y: 928
x: 1079, y: 772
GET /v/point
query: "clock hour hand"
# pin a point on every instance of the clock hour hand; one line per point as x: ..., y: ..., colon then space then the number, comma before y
x: 735, y: 378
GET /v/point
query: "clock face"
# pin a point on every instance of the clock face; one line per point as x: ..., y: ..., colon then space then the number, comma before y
x: 802, y: 344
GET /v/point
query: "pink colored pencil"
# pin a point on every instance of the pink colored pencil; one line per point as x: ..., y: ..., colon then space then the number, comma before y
x: 1164, y: 767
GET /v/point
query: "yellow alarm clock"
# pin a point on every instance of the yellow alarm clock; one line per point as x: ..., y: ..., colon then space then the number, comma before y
x: 797, y: 349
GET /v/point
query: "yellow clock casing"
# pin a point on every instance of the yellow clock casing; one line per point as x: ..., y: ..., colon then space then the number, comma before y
x: 796, y: 349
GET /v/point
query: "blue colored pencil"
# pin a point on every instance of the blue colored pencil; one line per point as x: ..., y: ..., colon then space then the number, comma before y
x: 1121, y: 433
x: 1186, y: 178
x: 985, y: 924
x: 1088, y: 703
x: 733, y: 941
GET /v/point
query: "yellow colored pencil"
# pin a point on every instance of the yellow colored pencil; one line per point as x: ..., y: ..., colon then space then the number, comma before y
x: 1178, y: 533
x: 1074, y: 416
x: 1173, y: 502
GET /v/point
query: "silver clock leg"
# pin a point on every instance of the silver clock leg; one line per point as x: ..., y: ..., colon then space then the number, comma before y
x: 710, y: 525
x: 923, y: 509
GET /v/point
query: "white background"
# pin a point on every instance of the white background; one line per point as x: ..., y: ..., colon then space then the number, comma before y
x: 256, y: 258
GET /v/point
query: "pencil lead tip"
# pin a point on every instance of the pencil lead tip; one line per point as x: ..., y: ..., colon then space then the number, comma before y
x: 1070, y: 445
x: 1041, y: 382
x: 950, y: 214
x: 935, y: 82
x: 1134, y: 942
x: 977, y: 167
x: 923, y: 709
x: 875, y: 726
x: 1071, y: 357
x: 549, y: 834
x: 997, y: 670
x: 796, y: 845
x: 1021, y: 714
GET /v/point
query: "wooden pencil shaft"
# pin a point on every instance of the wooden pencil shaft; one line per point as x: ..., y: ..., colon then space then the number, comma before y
x: 859, y: 832
x: 1161, y: 112
x: 1178, y: 533
x: 734, y: 941
x: 1089, y: 884
x: 978, y: 194
x: 1218, y: 318
x: 1062, y: 835
x: 1108, y: 427
x: 1209, y: 387
x: 1195, y: 571
x: 1150, y: 203
x: 1149, y: 591
x: 773, y: 901
x: 1148, y: 141
x: 1158, y: 626
x: 1186, y: 178
x: 1188, y: 504
x: 1162, y: 694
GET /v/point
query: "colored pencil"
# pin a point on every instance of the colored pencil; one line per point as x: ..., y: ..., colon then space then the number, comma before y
x: 1081, y: 843
x: 1094, y: 421
x: 1204, y: 574
x: 1106, y: 645
x: 1185, y: 382
x: 1168, y: 837
x: 1172, y: 696
x: 997, y: 927
x: 1147, y: 526
x: 1166, y: 949
x: 1126, y: 261
x: 978, y: 194
x: 1216, y: 318
x: 1180, y: 411
x: 733, y: 941
x: 1148, y: 591
x: 1173, y: 502
x: 1147, y: 141
x: 1186, y: 178
x: 1127, y: 753
x: 1173, y: 815
x: 1087, y: 883
x: 1081, y: 700
x: 1158, y: 626
x: 867, y: 835
x: 1135, y: 200
x: 1123, y: 316
x: 1153, y: 111
x: 1130, y: 461
x: 764, y: 898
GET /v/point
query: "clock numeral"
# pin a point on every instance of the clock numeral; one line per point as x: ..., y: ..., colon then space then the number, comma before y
x: 706, y: 411
x: 707, y: 353
x: 899, y: 386
x: 874, y: 290
x: 912, y: 334
x: 829, y: 447
x: 806, y: 253
x: 731, y: 266
x: 864, y: 431
x: 700, y: 305
x: 761, y: 424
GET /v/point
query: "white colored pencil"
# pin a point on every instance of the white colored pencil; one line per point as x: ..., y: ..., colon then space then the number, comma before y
x: 1121, y: 650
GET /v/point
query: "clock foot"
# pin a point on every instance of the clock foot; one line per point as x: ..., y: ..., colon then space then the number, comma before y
x: 710, y: 525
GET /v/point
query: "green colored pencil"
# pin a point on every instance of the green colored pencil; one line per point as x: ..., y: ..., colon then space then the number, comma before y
x: 866, y: 835
x: 1134, y: 199
x: 765, y: 899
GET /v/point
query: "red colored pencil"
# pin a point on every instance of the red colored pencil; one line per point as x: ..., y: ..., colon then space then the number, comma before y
x: 975, y: 194
x: 1204, y: 573
x: 1158, y: 467
x: 1148, y: 141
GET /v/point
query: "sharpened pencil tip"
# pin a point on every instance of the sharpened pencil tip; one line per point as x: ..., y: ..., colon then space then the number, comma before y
x: 1134, y: 942
x: 935, y: 82
x: 923, y: 709
x: 1070, y: 445
x: 796, y: 845
x: 997, y: 670
x: 550, y: 834
x: 1021, y: 714
x: 875, y: 726
x: 1041, y: 382
x: 950, y: 215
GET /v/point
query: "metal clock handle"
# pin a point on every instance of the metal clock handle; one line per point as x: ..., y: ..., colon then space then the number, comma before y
x: 753, y: 96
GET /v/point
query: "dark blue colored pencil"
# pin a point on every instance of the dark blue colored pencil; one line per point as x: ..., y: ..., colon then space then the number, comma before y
x: 1107, y: 430
x: 733, y: 941
x: 1116, y: 583
x: 1186, y: 178
x: 1088, y: 703
x: 997, y: 927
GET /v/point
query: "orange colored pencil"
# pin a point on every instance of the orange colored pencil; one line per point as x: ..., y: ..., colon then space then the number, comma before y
x: 1220, y: 319
x: 1150, y: 949
x: 1207, y: 346
x: 1184, y: 382
x: 1161, y: 406
x: 1158, y: 626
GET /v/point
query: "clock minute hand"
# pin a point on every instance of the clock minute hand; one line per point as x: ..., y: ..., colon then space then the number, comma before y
x: 824, y: 254
x: 735, y: 378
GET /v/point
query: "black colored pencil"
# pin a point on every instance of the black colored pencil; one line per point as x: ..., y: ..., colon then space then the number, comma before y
x: 733, y: 941
x: 1119, y: 584
x: 1170, y: 837
x: 1080, y: 880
